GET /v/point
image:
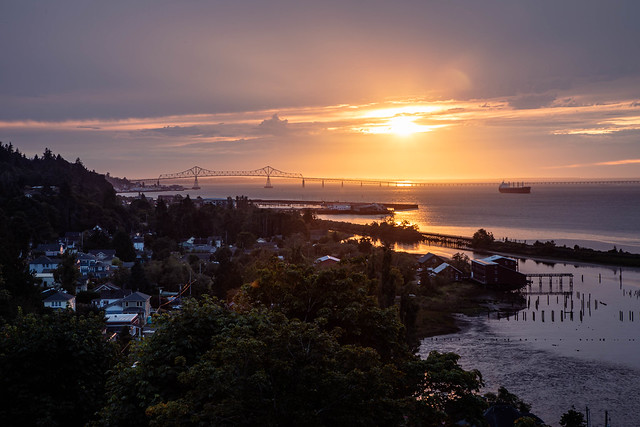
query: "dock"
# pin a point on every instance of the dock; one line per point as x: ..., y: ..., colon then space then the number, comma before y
x: 555, y: 284
x: 317, y: 204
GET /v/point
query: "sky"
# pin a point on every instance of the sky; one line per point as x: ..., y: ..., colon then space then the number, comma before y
x: 409, y: 89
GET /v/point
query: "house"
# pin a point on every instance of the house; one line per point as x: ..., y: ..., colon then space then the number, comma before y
x: 430, y: 260
x: 60, y: 300
x: 96, y: 263
x: 109, y: 295
x: 104, y: 255
x: 497, y: 270
x: 327, y: 261
x: 115, y: 322
x: 447, y: 272
x: 86, y: 263
x: 72, y: 239
x: 50, y: 249
x: 199, y: 244
x: 138, y: 243
x: 137, y: 302
x: 43, y: 264
x: 46, y: 278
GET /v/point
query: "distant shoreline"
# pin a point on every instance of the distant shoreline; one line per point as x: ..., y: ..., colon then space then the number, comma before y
x: 543, y: 251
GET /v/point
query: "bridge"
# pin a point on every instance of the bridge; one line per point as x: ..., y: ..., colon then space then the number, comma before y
x: 269, y: 172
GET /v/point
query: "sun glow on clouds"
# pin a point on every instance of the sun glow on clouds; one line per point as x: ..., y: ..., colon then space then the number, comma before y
x: 398, y: 125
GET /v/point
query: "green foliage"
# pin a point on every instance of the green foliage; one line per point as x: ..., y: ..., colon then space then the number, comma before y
x: 525, y: 422
x: 461, y: 262
x: 17, y: 284
x: 124, y: 246
x: 338, y: 299
x: 482, y: 239
x: 66, y: 196
x: 67, y: 273
x: 227, y: 275
x: 505, y: 398
x: 573, y: 418
x: 53, y: 369
x: 209, y: 365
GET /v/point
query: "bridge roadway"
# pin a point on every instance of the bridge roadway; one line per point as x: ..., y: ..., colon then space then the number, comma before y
x: 269, y: 172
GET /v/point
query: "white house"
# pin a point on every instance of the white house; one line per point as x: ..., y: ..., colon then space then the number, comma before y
x: 138, y: 243
x: 42, y: 264
x: 60, y: 301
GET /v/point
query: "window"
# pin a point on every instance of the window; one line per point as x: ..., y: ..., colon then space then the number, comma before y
x: 56, y: 304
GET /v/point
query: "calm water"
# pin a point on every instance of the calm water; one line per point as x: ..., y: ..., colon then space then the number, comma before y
x: 597, y: 216
x: 589, y: 358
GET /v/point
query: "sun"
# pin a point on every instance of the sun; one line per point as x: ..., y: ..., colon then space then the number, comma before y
x: 404, y: 126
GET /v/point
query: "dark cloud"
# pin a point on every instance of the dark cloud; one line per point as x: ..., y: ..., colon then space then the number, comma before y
x: 274, y: 126
x: 531, y: 101
x: 179, y: 131
x: 120, y: 59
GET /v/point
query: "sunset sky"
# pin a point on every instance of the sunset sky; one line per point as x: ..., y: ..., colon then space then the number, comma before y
x: 419, y: 90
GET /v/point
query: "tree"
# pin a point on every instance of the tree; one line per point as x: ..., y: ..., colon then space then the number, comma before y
x: 504, y: 397
x: 245, y: 240
x: 461, y: 262
x: 138, y: 279
x: 482, y: 239
x: 67, y: 273
x: 53, y: 369
x: 227, y: 274
x: 573, y: 418
x: 210, y: 365
x: 124, y: 246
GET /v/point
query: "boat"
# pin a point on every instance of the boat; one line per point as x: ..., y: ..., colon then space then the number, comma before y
x: 520, y: 188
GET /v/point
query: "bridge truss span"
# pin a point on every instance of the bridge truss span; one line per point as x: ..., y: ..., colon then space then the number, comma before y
x: 197, y: 171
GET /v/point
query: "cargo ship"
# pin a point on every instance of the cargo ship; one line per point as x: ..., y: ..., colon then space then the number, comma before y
x: 508, y: 187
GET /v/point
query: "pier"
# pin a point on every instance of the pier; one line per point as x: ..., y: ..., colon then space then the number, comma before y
x: 558, y: 289
x: 313, y: 204
x: 448, y: 240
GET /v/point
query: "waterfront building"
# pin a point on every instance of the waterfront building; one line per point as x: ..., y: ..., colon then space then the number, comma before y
x: 497, y: 270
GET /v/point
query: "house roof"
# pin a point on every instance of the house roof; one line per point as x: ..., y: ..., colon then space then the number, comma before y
x: 137, y: 296
x: 120, y: 317
x: 494, y: 258
x: 114, y: 293
x: 483, y: 262
x: 60, y: 296
x: 103, y: 253
x: 426, y: 257
x: 48, y: 247
x: 327, y: 258
x: 44, y: 260
x: 106, y: 286
x: 443, y: 267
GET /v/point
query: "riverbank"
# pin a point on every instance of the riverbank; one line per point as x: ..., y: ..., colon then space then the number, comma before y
x: 437, y: 311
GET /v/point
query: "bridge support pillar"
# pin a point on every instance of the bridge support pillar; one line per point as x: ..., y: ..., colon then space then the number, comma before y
x: 302, y: 182
x: 268, y: 184
x: 323, y: 183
